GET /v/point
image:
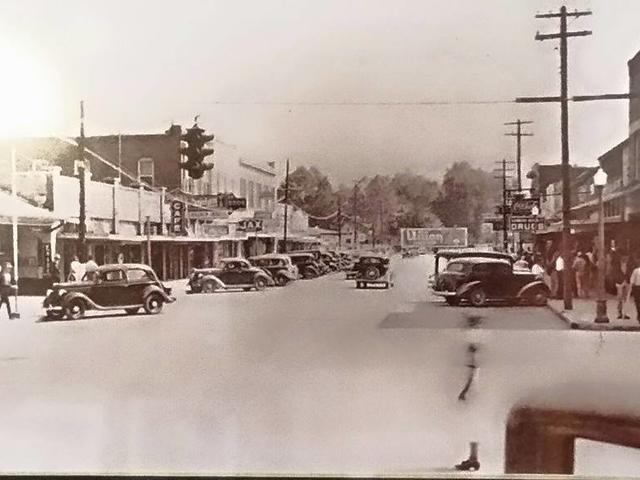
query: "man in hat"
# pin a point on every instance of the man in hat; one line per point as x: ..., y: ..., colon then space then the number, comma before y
x: 55, y: 269
x: 7, y: 285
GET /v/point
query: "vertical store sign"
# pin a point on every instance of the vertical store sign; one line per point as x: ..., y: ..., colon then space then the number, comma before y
x: 178, y: 218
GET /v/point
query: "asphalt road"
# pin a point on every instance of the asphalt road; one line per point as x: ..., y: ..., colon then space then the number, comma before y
x: 316, y: 377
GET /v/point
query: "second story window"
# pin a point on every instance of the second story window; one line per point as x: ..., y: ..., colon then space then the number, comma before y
x: 145, y: 171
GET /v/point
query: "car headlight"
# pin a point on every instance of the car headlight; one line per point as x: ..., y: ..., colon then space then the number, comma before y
x: 49, y: 292
x: 61, y: 292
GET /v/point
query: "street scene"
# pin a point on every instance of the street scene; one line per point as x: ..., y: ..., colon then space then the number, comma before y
x: 370, y: 258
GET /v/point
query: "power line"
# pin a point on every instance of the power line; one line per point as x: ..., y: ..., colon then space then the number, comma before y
x: 424, y: 103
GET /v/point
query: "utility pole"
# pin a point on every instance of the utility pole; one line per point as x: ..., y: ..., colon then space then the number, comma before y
x: 286, y: 206
x: 355, y: 215
x: 148, y: 240
x: 563, y: 35
x: 339, y: 224
x: 82, y: 220
x: 505, y: 204
x: 519, y: 134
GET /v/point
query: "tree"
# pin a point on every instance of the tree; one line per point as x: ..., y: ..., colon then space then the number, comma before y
x: 310, y: 190
x: 466, y: 194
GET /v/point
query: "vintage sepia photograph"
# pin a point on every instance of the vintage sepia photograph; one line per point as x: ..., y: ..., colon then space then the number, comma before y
x: 343, y: 238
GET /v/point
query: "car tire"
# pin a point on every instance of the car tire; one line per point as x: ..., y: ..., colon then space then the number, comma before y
x: 281, y: 280
x: 209, y: 286
x: 260, y: 284
x: 55, y: 314
x: 372, y: 273
x: 309, y: 273
x: 453, y: 301
x: 358, y: 285
x: 132, y: 310
x: 477, y: 297
x: 538, y: 298
x: 196, y: 289
x: 75, y: 309
x: 153, y: 303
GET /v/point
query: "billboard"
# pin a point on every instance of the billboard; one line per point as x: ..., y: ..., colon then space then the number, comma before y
x: 429, y: 238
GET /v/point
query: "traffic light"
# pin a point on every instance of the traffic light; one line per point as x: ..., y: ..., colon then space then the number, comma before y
x: 195, y: 152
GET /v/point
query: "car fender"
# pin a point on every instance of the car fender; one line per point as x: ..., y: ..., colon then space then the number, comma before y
x: 267, y: 278
x: 286, y: 273
x: 210, y: 276
x: 531, y: 286
x: 466, y: 287
x: 313, y: 269
x: 73, y: 295
x: 154, y: 288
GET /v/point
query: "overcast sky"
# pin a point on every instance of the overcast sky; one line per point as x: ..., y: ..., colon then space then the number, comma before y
x: 140, y: 65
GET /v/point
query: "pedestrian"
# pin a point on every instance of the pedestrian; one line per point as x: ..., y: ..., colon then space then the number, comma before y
x: 634, y: 291
x: 580, y: 273
x: 90, y: 269
x: 7, y: 285
x: 77, y: 270
x: 521, y: 264
x: 558, y: 266
x: 622, y: 269
x: 54, y: 272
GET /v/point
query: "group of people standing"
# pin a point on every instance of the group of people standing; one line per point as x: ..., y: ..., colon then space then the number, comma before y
x: 622, y: 274
x: 78, y: 271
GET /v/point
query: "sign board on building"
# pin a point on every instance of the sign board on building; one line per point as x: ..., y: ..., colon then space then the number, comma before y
x: 250, y: 225
x: 178, y: 218
x: 429, y: 238
x: 231, y: 202
x: 526, y: 224
x: 524, y: 206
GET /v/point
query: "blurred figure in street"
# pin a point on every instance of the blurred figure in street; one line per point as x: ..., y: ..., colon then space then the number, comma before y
x: 621, y: 271
x: 7, y: 285
x: 90, y: 269
x: 580, y: 272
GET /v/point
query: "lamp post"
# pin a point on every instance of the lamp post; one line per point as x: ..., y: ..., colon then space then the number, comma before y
x: 599, y: 181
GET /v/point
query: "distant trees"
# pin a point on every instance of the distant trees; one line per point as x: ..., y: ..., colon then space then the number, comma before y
x: 388, y: 203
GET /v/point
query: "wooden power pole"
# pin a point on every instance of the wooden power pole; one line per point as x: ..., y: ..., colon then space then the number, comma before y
x: 286, y: 207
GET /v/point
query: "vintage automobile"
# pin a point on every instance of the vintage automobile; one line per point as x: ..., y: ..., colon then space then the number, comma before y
x: 373, y: 269
x: 279, y: 267
x: 128, y: 287
x: 306, y: 264
x: 233, y: 273
x: 322, y: 259
x: 480, y: 280
x: 446, y: 255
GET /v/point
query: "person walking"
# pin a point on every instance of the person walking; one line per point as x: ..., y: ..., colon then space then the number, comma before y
x: 77, y: 270
x: 634, y: 282
x: 622, y: 269
x: 7, y: 285
x: 537, y: 268
x: 55, y: 273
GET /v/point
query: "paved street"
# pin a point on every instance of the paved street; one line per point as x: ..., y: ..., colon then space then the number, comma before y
x: 313, y: 377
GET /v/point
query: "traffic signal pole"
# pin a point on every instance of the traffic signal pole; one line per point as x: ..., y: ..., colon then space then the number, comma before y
x: 82, y: 217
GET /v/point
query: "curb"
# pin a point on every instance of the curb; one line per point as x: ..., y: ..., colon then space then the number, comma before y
x: 592, y: 326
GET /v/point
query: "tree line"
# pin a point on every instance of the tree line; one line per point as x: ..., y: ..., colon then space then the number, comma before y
x: 384, y: 204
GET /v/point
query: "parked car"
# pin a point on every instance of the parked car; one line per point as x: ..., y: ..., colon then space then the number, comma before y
x: 279, y: 267
x: 373, y: 269
x: 233, y: 273
x: 307, y: 266
x: 321, y: 258
x: 128, y: 287
x: 447, y: 255
x: 480, y: 280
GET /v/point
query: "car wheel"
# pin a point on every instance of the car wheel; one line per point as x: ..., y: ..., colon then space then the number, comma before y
x: 196, y: 288
x: 281, y: 280
x: 372, y: 273
x: 538, y: 297
x: 260, y: 283
x: 308, y: 273
x: 209, y: 286
x: 453, y: 301
x: 55, y: 314
x: 358, y: 285
x: 75, y: 309
x: 132, y: 311
x: 477, y: 297
x: 153, y: 303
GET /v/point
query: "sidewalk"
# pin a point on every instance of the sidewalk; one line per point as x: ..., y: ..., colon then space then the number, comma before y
x: 583, y: 315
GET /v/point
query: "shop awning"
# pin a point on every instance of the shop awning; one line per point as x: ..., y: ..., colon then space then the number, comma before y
x: 26, y: 213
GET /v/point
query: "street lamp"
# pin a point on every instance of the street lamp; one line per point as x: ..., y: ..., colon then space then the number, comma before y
x: 599, y: 181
